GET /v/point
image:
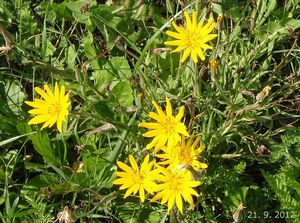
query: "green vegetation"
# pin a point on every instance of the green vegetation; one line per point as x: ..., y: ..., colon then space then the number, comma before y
x: 110, y: 55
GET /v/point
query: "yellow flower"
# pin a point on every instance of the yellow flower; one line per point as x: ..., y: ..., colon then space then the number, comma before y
x: 167, y: 130
x: 193, y: 38
x: 184, y: 154
x: 135, y: 179
x: 51, y: 109
x: 175, y: 186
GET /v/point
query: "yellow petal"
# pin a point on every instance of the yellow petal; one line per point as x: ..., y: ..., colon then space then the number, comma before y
x: 128, y: 192
x: 133, y: 163
x: 152, y: 143
x: 49, y: 92
x: 162, y: 139
x: 199, y: 27
x: 173, y: 43
x: 179, y: 116
x: 126, y: 185
x: 149, y: 125
x: 200, y: 149
x: 124, y: 167
x: 178, y: 28
x: 188, y: 198
x: 145, y: 163
x: 39, y: 119
x: 209, y: 26
x: 62, y: 94
x: 159, y: 110
x: 186, y: 53
x: 171, y: 202
x: 59, y: 124
x: 193, y: 183
x: 56, y: 92
x: 194, y: 56
x: 43, y: 94
x: 187, y: 19
x: 179, y: 202
x: 169, y: 108
x: 152, y: 133
x: 205, y: 46
x: 142, y: 194
x: 121, y: 181
x: 123, y: 174
x: 167, y: 195
x: 135, y: 188
x: 200, y: 54
x: 50, y: 122
x: 156, y: 117
x: 38, y: 103
x: 158, y: 196
x: 173, y: 34
x: 194, y: 21
x: 208, y: 38
x: 38, y: 111
x: 191, y: 191
x: 179, y: 48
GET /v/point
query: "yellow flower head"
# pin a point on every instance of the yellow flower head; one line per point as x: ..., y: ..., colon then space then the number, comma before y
x: 51, y: 109
x: 135, y: 179
x: 168, y: 128
x: 184, y: 154
x: 192, y: 38
x: 175, y: 186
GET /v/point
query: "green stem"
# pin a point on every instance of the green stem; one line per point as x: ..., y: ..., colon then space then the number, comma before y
x: 195, y: 89
x: 173, y: 216
x: 65, y: 149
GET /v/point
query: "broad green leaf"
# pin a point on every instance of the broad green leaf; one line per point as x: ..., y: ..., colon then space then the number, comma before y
x: 50, y: 49
x: 102, y: 79
x: 71, y: 56
x: 40, y: 183
x: 119, y: 66
x: 15, y: 96
x: 78, y: 10
x: 62, y: 10
x: 115, y: 68
x: 122, y: 94
x: 103, y: 17
x: 131, y: 213
x: 91, y: 52
x: 41, y: 143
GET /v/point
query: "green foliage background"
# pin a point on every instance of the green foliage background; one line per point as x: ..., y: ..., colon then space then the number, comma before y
x: 111, y: 56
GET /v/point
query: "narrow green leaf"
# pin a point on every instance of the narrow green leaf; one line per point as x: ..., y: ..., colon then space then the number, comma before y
x: 14, y: 138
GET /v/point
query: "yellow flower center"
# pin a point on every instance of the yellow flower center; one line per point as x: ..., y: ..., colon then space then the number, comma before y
x: 55, y: 109
x: 176, y: 184
x: 138, y: 177
x: 191, y: 40
x: 185, y: 157
x: 170, y: 125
